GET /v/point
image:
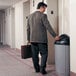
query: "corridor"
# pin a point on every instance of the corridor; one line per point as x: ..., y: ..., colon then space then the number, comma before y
x: 11, y: 64
x: 13, y: 32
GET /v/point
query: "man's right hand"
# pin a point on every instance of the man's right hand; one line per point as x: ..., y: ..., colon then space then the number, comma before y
x: 57, y: 38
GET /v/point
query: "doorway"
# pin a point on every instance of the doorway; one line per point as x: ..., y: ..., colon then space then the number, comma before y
x: 52, y: 12
x: 2, y: 27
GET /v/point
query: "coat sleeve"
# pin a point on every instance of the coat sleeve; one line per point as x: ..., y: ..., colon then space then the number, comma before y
x: 48, y: 25
x: 28, y: 30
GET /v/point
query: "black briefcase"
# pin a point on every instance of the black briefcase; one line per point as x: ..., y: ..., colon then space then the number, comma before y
x: 26, y: 51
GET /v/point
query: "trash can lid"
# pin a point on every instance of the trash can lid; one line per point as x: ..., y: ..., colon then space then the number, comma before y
x: 64, y: 40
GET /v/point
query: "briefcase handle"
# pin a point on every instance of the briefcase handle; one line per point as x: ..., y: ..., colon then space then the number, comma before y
x: 28, y: 43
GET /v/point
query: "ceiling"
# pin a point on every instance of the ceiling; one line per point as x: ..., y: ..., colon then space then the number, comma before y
x: 6, y: 3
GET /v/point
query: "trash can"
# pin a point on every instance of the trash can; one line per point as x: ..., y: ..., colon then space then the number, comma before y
x: 62, y: 55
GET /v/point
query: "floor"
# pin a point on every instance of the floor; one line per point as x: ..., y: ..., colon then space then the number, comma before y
x: 11, y: 64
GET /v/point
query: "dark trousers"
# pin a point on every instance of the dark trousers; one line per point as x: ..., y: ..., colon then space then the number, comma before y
x: 42, y: 48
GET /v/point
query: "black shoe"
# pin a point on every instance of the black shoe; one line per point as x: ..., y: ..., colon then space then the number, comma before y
x: 37, y: 71
x: 43, y: 72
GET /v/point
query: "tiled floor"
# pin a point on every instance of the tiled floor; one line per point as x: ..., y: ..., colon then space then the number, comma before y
x: 11, y: 64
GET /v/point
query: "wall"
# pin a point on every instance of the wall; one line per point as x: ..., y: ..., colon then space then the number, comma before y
x: 53, y: 19
x: 8, y: 27
x: 63, y: 17
x: 66, y: 16
x: 60, y: 14
x: 73, y: 35
x: 2, y: 20
x: 0, y: 25
x: 18, y: 25
x: 6, y: 36
x: 19, y: 34
x: 26, y: 12
x: 13, y: 27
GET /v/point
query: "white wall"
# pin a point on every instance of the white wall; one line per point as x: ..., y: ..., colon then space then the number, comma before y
x: 13, y: 27
x: 60, y: 12
x: 18, y: 25
x: 66, y: 24
x: 8, y: 38
x: 19, y: 34
x: 63, y: 17
x: 73, y: 34
x: 13, y: 30
x: 26, y: 13
x: 8, y: 34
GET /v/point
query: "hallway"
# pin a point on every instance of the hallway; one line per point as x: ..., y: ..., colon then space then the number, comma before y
x: 13, y: 20
x: 11, y: 64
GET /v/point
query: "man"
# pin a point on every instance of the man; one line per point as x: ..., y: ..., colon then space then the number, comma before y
x: 37, y: 26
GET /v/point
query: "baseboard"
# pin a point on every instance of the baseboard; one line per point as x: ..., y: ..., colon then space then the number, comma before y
x: 73, y: 74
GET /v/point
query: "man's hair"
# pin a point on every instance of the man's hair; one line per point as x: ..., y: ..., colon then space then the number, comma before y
x: 41, y: 4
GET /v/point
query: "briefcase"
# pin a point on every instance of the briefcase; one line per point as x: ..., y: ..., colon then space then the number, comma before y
x: 26, y: 51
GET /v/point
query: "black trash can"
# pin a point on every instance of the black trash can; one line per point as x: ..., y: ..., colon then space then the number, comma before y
x: 62, y: 55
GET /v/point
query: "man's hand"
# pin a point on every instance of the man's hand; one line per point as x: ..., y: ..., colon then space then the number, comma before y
x: 57, y: 38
